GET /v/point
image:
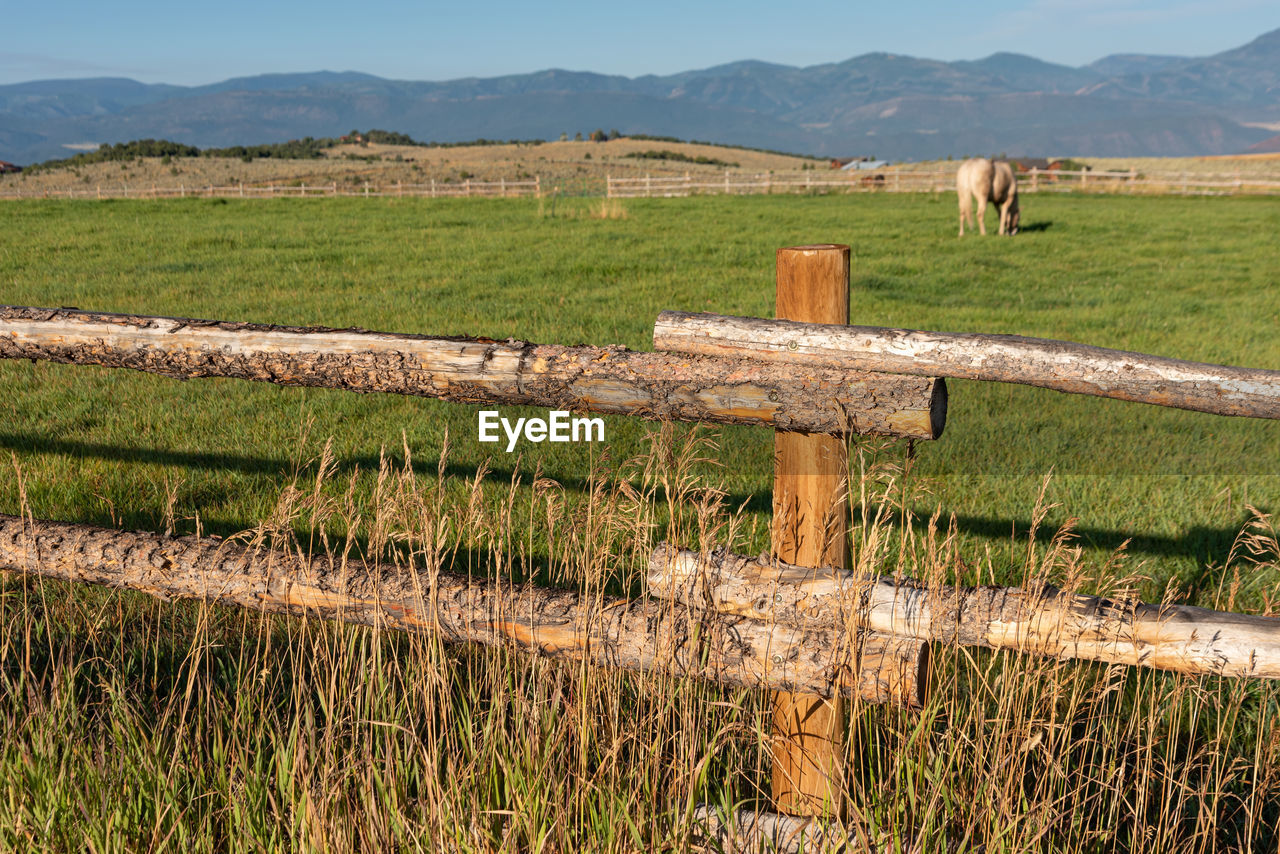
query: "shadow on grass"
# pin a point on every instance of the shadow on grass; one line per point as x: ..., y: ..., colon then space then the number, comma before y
x: 276, y: 467
x: 1207, y: 546
x: 1202, y: 543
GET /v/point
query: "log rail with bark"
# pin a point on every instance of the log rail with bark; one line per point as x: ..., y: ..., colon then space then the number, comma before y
x: 477, y: 370
x: 1050, y: 622
x: 1060, y: 365
x: 642, y: 634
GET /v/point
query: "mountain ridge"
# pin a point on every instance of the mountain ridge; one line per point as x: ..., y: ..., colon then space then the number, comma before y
x: 1119, y: 105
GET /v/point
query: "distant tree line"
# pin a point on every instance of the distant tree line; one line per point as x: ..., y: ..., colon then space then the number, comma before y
x: 307, y: 148
x: 649, y: 138
x: 123, y: 151
x: 314, y: 147
x: 677, y: 156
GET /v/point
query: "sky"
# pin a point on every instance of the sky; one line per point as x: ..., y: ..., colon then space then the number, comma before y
x: 197, y: 43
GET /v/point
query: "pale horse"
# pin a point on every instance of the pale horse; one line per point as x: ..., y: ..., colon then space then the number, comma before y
x: 988, y: 181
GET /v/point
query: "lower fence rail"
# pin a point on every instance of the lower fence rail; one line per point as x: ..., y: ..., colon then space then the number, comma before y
x: 1179, y: 638
x: 643, y: 634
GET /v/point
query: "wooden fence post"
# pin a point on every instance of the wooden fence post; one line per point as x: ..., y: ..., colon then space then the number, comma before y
x: 810, y: 529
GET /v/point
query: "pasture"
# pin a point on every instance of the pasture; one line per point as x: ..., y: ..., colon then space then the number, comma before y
x: 171, y: 725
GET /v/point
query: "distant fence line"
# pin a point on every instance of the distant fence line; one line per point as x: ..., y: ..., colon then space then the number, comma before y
x: 433, y: 189
x: 705, y: 183
x: 939, y: 180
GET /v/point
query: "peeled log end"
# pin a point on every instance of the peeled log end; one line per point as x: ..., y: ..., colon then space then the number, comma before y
x: 893, y: 669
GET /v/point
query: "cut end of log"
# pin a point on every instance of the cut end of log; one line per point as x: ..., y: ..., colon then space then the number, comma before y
x: 893, y: 670
x: 815, y: 247
x: 938, y: 409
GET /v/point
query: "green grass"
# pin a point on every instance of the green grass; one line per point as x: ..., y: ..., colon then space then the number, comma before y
x: 133, y: 725
x: 1192, y: 278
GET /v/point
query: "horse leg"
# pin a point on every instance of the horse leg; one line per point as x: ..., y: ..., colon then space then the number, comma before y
x: 982, y: 215
x: 965, y: 213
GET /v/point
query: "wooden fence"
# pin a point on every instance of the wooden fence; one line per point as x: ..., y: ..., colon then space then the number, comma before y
x: 937, y: 181
x: 702, y: 184
x: 433, y: 189
x: 799, y: 623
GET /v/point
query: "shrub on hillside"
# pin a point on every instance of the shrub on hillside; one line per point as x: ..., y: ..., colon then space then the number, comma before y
x: 679, y: 157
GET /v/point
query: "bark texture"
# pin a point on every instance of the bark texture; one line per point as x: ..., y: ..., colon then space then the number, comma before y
x: 1059, y: 365
x: 644, y: 634
x: 663, y: 386
x: 1166, y: 637
x: 748, y: 830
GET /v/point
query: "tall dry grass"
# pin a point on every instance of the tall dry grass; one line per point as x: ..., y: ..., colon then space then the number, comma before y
x: 132, y: 725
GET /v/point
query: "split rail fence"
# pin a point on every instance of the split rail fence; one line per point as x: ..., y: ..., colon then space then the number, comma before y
x: 799, y: 623
x: 433, y: 189
x: 939, y: 181
x: 702, y: 184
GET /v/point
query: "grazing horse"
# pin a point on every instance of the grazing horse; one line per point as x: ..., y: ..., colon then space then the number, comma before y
x: 988, y: 181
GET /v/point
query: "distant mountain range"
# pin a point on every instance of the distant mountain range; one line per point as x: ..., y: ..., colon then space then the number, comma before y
x: 891, y: 106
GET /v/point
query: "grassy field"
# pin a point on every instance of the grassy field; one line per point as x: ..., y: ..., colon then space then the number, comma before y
x: 132, y: 725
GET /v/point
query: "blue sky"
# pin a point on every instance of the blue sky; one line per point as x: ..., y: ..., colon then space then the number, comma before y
x: 193, y: 43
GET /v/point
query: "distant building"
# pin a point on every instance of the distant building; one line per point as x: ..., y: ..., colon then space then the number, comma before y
x: 1043, y: 164
x: 866, y: 163
x: 846, y: 163
x: 6, y: 166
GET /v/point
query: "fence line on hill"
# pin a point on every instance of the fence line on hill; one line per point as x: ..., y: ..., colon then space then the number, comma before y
x: 502, y: 188
x: 937, y: 181
x: 703, y: 183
